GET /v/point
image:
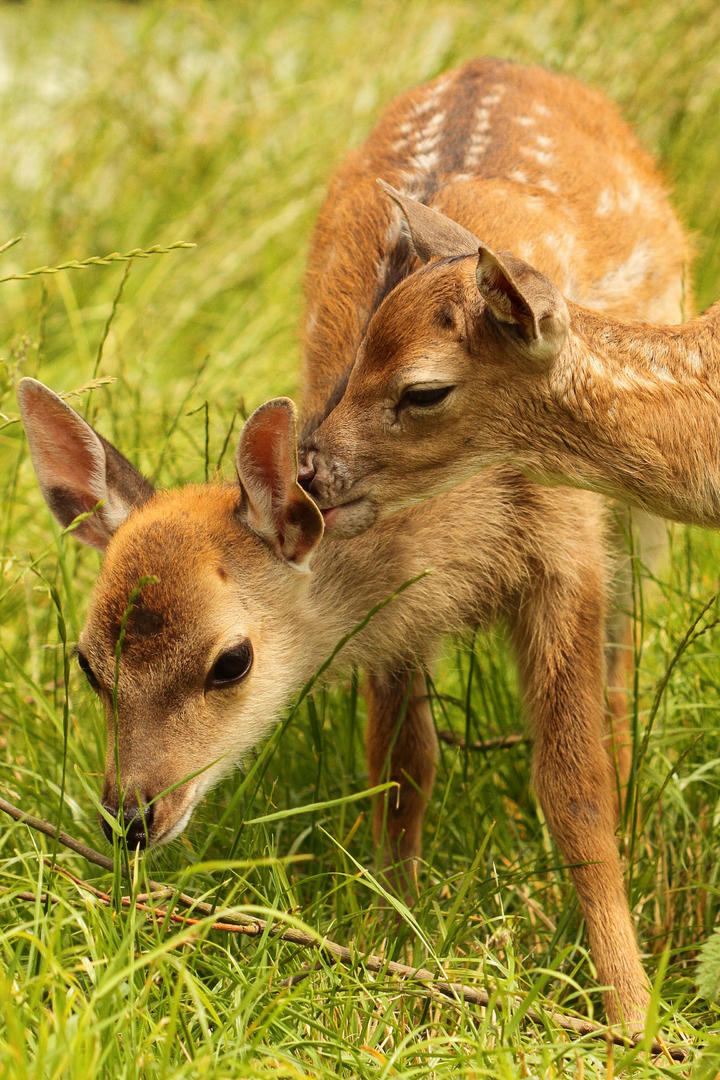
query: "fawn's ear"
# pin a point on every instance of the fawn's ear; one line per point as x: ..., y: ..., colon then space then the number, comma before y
x: 76, y: 468
x: 525, y: 303
x: 274, y: 505
x: 433, y: 236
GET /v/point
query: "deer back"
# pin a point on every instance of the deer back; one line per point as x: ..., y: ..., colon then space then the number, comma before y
x: 531, y: 162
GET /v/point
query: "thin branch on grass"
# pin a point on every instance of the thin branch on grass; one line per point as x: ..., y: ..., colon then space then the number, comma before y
x: 40, y: 825
x: 238, y: 923
x: 497, y: 743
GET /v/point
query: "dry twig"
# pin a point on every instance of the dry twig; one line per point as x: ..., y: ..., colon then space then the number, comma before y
x: 238, y: 923
x: 499, y: 742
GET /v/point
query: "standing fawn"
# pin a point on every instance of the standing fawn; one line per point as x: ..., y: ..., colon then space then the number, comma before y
x: 501, y: 367
x: 223, y: 630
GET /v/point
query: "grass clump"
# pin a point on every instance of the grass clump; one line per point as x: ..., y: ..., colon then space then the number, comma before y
x: 135, y: 127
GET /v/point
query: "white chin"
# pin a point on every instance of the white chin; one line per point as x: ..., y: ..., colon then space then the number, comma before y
x: 176, y: 829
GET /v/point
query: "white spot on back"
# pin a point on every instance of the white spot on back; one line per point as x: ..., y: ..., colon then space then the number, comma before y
x: 425, y: 163
x: 548, y: 185
x: 657, y: 372
x: 666, y: 306
x: 420, y: 140
x: 543, y: 157
x: 605, y: 202
x: 424, y: 121
x: 693, y: 361
x: 563, y: 243
x: 479, y: 137
x: 626, y: 198
x: 620, y: 282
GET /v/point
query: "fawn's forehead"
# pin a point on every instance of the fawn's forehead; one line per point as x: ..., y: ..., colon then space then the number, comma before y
x: 171, y: 557
x: 418, y: 310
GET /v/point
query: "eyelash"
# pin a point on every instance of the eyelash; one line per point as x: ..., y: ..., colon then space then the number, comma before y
x: 431, y: 395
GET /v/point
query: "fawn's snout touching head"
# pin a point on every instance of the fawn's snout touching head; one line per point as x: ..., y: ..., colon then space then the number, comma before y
x: 189, y: 639
x: 426, y: 389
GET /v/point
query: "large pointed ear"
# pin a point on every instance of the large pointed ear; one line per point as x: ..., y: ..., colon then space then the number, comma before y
x: 521, y: 299
x: 433, y: 235
x: 76, y: 468
x: 274, y: 505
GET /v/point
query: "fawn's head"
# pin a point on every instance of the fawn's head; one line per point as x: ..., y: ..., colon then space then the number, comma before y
x: 443, y: 358
x: 190, y: 640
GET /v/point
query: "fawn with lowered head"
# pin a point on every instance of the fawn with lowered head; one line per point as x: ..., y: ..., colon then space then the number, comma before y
x: 223, y: 629
x: 482, y: 360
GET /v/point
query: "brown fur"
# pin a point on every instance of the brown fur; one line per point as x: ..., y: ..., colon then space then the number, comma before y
x: 226, y: 559
x: 629, y: 410
x: 531, y: 377
x: 365, y: 456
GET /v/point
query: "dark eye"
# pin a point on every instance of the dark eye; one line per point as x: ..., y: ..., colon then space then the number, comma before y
x: 429, y: 395
x: 87, y: 670
x: 231, y: 666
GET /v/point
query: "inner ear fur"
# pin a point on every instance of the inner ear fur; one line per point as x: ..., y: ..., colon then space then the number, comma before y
x: 273, y: 504
x: 79, y: 472
x: 522, y: 299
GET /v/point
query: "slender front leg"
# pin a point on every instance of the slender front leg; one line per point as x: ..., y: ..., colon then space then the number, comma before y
x: 402, y: 747
x: 558, y: 636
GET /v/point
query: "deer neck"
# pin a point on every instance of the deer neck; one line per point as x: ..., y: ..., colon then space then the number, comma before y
x: 658, y: 354
x: 350, y: 596
x: 635, y: 408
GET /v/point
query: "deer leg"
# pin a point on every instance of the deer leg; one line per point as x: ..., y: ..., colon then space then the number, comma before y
x: 620, y: 662
x: 401, y: 747
x: 562, y: 662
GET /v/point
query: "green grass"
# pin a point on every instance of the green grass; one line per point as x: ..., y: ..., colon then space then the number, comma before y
x: 127, y: 126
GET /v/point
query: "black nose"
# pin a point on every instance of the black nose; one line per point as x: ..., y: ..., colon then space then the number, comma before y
x: 137, y: 821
